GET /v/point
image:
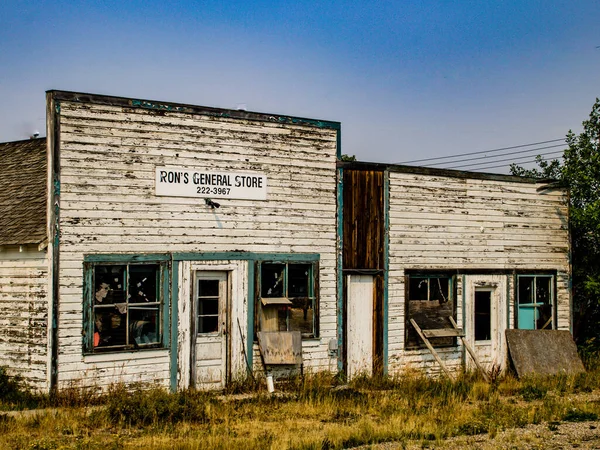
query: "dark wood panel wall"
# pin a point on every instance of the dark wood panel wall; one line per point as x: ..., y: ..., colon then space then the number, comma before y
x: 364, y: 231
x: 364, y: 223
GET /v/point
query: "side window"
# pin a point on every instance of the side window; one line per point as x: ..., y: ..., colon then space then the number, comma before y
x: 430, y: 301
x: 287, y: 299
x: 126, y: 308
x: 535, y: 301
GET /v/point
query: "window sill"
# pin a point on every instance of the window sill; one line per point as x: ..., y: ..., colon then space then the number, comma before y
x: 124, y: 355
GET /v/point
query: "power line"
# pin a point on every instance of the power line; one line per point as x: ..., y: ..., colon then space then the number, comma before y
x: 481, y: 152
x: 506, y: 161
x: 496, y: 156
x: 502, y: 165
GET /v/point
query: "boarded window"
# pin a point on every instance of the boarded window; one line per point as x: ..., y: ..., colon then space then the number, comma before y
x: 535, y: 298
x: 430, y: 301
x: 287, y: 298
x: 126, y: 307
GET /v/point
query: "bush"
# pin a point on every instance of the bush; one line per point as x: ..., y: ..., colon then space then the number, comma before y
x: 14, y: 393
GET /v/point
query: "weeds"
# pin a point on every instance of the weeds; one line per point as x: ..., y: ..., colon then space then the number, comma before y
x: 313, y: 411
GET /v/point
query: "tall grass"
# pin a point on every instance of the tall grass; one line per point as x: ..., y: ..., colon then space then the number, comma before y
x: 316, y: 411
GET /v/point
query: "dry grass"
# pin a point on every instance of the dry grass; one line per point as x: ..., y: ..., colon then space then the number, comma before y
x: 315, y: 412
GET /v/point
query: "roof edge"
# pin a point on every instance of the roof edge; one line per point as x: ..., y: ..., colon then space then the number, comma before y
x: 100, y: 99
x: 434, y: 171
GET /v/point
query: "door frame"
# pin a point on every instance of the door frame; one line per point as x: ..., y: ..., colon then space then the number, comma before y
x: 226, y: 320
x: 497, y: 285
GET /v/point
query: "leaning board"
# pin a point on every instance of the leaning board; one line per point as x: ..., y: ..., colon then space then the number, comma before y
x: 543, y: 352
x: 280, y: 347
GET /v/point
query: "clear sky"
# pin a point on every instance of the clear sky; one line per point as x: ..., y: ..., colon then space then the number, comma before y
x: 407, y: 79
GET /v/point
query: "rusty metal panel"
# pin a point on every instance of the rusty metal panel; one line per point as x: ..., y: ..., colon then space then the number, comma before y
x: 543, y: 352
x: 280, y: 347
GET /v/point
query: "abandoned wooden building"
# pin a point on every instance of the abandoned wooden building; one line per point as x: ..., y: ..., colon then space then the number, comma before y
x: 145, y: 241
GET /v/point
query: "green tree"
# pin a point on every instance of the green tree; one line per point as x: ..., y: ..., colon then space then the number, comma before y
x: 579, y: 171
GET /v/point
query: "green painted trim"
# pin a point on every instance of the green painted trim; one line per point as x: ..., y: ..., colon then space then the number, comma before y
x: 88, y: 323
x: 165, y: 272
x: 209, y: 256
x: 250, y: 318
x: 80, y: 97
x: 126, y: 257
x: 386, y: 266
x: 173, y: 331
x: 246, y: 256
x: 340, y: 268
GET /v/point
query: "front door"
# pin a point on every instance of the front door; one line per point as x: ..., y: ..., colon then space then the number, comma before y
x: 210, y: 324
x: 486, y: 317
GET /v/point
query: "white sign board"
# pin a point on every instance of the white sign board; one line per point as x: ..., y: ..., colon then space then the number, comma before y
x: 179, y: 182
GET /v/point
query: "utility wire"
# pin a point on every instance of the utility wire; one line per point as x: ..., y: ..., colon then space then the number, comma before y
x: 481, y: 152
x: 503, y: 165
x: 497, y: 156
x: 506, y: 161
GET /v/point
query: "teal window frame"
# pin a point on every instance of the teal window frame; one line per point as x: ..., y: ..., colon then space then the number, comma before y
x: 529, y: 313
x: 162, y: 298
x: 312, y: 294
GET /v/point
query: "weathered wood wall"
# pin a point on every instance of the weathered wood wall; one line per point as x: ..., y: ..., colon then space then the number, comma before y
x: 108, y: 155
x: 444, y: 222
x: 24, y: 314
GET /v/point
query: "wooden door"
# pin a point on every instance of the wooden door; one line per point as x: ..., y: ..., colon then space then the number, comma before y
x: 359, y: 334
x: 210, y: 323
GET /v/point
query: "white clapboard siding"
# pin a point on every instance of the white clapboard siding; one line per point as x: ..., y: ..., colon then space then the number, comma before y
x: 441, y: 222
x: 24, y: 315
x: 108, y: 159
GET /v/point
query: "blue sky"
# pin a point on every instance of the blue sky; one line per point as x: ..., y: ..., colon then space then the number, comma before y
x: 407, y: 79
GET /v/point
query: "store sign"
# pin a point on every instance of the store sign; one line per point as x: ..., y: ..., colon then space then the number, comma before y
x: 179, y: 182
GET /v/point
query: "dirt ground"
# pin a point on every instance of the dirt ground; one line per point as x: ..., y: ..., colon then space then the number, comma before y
x: 565, y: 435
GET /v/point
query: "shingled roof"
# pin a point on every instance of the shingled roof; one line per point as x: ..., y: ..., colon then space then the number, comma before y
x: 23, y: 192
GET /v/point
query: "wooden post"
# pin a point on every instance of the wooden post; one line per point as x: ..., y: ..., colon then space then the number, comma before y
x: 471, y: 351
x: 431, y: 349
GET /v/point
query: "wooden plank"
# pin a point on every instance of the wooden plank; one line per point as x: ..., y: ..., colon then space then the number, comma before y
x: 431, y: 349
x: 471, y: 351
x: 443, y: 332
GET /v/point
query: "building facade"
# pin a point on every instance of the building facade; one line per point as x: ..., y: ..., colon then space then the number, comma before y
x: 174, y: 235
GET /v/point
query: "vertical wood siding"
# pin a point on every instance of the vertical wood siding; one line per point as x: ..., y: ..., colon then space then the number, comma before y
x: 364, y: 238
x: 24, y: 315
x: 439, y: 223
x: 108, y: 158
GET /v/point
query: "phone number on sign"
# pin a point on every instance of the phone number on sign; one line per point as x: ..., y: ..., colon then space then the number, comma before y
x: 212, y: 190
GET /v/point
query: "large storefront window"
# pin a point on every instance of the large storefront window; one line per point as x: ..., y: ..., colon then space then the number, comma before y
x: 127, y: 306
x: 287, y: 299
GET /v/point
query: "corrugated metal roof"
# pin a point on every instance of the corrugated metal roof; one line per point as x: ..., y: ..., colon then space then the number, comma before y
x: 23, y: 192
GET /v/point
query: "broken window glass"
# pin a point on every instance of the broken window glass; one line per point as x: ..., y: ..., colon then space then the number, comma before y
x: 430, y: 303
x: 287, y: 301
x: 126, y: 306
